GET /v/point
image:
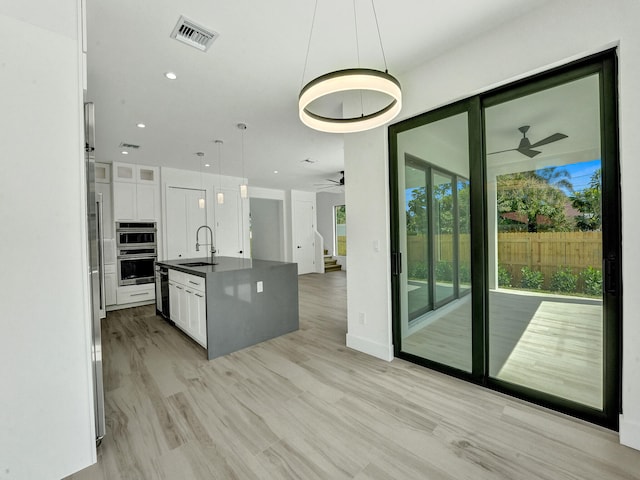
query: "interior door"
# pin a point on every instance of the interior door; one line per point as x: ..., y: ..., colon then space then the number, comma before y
x: 304, y: 228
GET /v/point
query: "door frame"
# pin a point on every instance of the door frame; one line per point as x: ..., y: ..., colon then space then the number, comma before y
x: 605, y: 64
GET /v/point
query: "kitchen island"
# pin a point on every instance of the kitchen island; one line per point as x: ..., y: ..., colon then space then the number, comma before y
x: 234, y: 303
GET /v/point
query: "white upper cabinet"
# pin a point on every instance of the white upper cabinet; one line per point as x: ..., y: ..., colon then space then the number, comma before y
x: 136, y: 192
x: 103, y: 173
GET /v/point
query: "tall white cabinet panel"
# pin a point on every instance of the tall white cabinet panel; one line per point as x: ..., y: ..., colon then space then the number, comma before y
x: 229, y: 225
x: 124, y: 201
x: 136, y: 192
x: 184, y: 216
x: 147, y: 202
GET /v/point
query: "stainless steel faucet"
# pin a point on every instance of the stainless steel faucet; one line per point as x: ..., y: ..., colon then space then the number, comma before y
x: 213, y: 249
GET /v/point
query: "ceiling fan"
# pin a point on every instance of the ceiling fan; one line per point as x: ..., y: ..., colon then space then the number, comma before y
x: 333, y: 184
x: 527, y: 148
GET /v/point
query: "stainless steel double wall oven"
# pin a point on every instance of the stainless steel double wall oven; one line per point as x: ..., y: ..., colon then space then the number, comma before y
x: 137, y: 252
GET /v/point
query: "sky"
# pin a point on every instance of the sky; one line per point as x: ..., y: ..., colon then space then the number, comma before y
x: 581, y: 173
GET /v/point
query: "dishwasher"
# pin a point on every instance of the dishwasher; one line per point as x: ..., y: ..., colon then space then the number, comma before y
x: 162, y: 291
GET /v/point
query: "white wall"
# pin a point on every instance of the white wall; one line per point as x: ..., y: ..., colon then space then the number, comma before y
x: 368, y: 264
x: 547, y: 37
x: 46, y: 405
x: 326, y: 202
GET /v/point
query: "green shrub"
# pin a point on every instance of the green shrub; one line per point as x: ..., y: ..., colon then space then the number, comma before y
x: 531, y: 279
x: 564, y: 281
x: 504, y: 277
x: 592, y: 278
x: 465, y: 273
x: 444, y: 272
x: 418, y: 271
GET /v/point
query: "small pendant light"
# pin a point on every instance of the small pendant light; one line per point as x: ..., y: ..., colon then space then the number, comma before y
x: 244, y: 188
x: 219, y: 195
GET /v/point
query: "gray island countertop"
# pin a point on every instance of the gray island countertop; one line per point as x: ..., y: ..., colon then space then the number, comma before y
x: 223, y: 264
x: 247, y: 301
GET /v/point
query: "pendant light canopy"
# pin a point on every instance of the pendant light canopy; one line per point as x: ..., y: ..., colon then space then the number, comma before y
x: 356, y: 80
x: 219, y: 195
x: 244, y: 188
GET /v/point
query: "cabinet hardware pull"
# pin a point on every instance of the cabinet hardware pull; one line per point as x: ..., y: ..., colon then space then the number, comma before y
x: 179, y: 288
x: 188, y: 291
x: 198, y: 295
x: 194, y: 283
x: 138, y: 294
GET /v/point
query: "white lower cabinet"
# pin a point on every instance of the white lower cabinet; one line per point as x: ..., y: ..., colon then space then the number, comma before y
x: 187, y: 304
x: 136, y: 293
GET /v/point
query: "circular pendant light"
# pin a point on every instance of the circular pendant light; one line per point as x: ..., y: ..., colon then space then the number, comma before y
x: 358, y: 80
x: 352, y: 79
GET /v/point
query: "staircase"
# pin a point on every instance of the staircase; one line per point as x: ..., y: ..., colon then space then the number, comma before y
x: 330, y: 263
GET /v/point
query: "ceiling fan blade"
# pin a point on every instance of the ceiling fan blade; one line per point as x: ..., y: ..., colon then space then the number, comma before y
x: 529, y: 153
x: 550, y: 139
x: 502, y: 151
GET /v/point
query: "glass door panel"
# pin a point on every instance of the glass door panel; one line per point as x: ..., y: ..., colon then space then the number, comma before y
x: 433, y: 159
x: 418, y: 288
x: 545, y: 242
x: 464, y: 237
x: 443, y: 236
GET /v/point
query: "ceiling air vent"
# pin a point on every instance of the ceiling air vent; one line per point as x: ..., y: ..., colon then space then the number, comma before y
x: 129, y: 145
x: 193, y: 34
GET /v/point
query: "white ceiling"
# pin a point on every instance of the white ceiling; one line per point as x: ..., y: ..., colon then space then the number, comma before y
x: 252, y: 74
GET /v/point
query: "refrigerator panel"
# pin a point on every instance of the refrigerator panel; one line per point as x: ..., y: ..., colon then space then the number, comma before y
x: 95, y: 271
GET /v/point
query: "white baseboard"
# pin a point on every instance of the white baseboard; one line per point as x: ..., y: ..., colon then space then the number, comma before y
x: 378, y: 350
x: 629, y: 433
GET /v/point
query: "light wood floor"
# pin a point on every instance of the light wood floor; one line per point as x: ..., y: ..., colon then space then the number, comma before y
x: 304, y: 406
x: 551, y: 343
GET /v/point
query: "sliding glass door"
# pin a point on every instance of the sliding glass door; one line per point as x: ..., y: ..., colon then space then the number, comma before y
x: 432, y: 194
x: 506, y: 240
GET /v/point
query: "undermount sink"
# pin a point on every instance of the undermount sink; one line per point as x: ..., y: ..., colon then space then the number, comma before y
x: 197, y: 264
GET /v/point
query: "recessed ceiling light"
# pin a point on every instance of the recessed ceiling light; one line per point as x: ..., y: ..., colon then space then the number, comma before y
x: 207, y: 165
x: 275, y: 171
x: 124, y: 152
x: 171, y: 75
x: 140, y: 125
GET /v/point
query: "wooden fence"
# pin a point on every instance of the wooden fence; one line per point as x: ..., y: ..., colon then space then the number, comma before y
x: 544, y: 252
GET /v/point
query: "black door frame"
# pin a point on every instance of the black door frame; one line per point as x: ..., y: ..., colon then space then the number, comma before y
x: 605, y: 64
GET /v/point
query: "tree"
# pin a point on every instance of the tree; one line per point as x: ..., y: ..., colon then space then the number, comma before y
x: 443, y: 199
x: 536, y: 199
x: 417, y: 212
x: 587, y: 202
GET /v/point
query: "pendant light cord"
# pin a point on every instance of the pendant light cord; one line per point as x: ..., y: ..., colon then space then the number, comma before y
x: 306, y: 59
x: 355, y: 22
x: 384, y: 58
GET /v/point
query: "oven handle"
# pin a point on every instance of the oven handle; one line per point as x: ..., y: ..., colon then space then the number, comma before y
x: 137, y: 257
